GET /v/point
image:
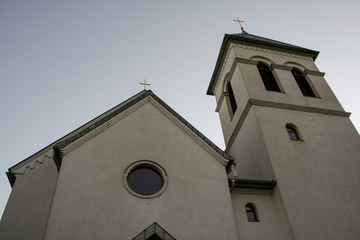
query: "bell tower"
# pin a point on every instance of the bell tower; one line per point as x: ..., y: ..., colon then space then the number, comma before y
x: 281, y: 121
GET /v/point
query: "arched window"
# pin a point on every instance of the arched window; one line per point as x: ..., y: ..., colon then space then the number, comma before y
x: 302, y: 83
x: 231, y: 98
x: 293, y: 133
x: 268, y: 77
x: 251, y: 213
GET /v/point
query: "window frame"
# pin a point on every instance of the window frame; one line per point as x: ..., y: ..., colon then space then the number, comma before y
x: 292, y: 130
x: 253, y: 210
x: 303, y: 83
x: 268, y: 77
x: 150, y: 164
x: 232, y: 100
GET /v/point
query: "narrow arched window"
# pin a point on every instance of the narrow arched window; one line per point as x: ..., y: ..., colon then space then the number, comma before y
x: 302, y: 83
x: 251, y: 213
x: 231, y: 98
x: 293, y: 133
x: 268, y: 77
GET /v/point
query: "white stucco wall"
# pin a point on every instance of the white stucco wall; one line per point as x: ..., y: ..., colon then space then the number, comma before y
x: 250, y: 152
x: 91, y: 201
x: 28, y: 207
x: 247, y: 83
x: 318, y: 177
x: 273, y: 222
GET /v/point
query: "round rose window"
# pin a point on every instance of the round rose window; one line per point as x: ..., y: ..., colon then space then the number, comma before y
x: 145, y: 179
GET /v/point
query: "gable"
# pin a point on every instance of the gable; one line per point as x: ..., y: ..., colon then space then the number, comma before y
x: 93, y: 127
x: 144, y: 132
x: 93, y: 179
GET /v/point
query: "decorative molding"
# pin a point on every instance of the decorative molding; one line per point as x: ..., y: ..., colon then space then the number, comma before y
x: 251, y: 186
x: 299, y: 108
x: 282, y: 67
x: 286, y: 106
x: 273, y: 52
x: 238, y: 126
x: 311, y: 72
x: 191, y: 134
x: 153, y: 165
x: 252, y: 183
x: 222, y: 69
x: 104, y: 126
x: 128, y: 111
x: 258, y: 58
x: 31, y: 164
x: 247, y: 61
x: 74, y: 139
x: 221, y: 99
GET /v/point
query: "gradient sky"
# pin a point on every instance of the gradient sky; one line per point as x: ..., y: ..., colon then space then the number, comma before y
x: 62, y: 63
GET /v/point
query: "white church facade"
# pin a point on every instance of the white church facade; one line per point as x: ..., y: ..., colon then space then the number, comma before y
x: 290, y: 170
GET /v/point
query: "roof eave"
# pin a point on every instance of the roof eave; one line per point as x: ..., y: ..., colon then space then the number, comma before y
x: 210, y: 90
x: 228, y: 37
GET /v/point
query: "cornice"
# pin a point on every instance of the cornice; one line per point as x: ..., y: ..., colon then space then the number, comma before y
x: 133, y: 108
x: 248, y: 61
x: 77, y: 137
x: 311, y: 72
x: 273, y: 52
x: 299, y: 108
x: 104, y: 126
x: 222, y: 69
x: 191, y: 134
x: 221, y: 99
x: 263, y: 103
x: 31, y: 164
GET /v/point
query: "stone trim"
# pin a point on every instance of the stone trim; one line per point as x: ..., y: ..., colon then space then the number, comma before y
x: 157, y: 167
x: 40, y: 159
x: 68, y: 145
x: 251, y: 186
x: 154, y: 229
x: 102, y: 127
x: 212, y: 89
x: 252, y: 183
x: 208, y: 146
x: 221, y: 99
x: 72, y: 140
x: 286, y: 106
x: 255, y: 62
x: 282, y: 67
x: 311, y: 72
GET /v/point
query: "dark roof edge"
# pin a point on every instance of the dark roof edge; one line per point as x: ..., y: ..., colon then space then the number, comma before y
x: 127, y: 105
x: 253, y: 40
x: 11, y: 177
x: 210, y: 90
x: 50, y: 146
x: 101, y: 119
x: 194, y: 130
x: 252, y: 183
x: 106, y: 117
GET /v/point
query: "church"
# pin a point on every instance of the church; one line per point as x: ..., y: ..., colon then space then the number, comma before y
x: 140, y: 171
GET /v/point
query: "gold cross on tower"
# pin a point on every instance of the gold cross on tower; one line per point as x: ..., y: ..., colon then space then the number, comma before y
x: 145, y: 84
x: 238, y: 20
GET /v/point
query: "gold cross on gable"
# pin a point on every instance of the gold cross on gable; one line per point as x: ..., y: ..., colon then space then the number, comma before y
x: 145, y: 84
x: 239, y: 21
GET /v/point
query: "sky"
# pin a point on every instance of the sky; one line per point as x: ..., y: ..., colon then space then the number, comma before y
x: 63, y: 63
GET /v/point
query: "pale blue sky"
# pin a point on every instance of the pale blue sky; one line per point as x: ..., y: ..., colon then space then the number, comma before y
x: 63, y: 63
